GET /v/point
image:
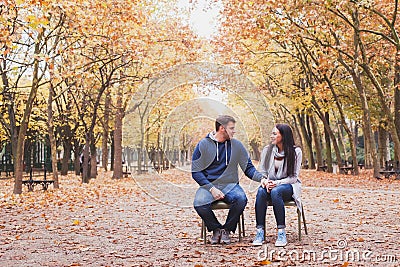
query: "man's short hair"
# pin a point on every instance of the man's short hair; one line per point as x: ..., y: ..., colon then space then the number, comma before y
x: 223, y: 120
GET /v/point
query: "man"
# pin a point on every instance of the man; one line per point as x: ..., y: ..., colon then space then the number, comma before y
x: 215, y: 168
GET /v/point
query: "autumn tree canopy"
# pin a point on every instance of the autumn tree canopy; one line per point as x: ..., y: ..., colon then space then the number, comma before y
x: 70, y: 69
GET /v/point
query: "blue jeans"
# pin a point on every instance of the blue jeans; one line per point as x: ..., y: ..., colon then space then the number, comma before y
x: 276, y: 197
x: 234, y: 195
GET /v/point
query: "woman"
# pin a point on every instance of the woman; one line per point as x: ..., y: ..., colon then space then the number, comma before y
x: 280, y: 164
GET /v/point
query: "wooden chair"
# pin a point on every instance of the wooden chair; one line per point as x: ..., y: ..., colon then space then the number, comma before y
x: 300, y: 214
x: 220, y: 205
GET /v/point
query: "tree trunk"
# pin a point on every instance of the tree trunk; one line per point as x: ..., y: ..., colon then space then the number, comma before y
x: 67, y: 156
x: 52, y: 139
x: 19, y: 157
x: 382, y: 146
x: 9, y: 101
x: 77, y: 162
x: 328, y: 133
x: 255, y: 149
x: 367, y: 127
x: 117, y: 174
x: 341, y: 143
x: 369, y: 143
x: 85, y: 161
x: 397, y: 96
x: 328, y: 147
x: 112, y: 151
x: 317, y: 142
x: 307, y: 140
x: 93, y: 160
x: 297, y: 133
x: 353, y: 145
x: 369, y: 137
x: 104, y: 147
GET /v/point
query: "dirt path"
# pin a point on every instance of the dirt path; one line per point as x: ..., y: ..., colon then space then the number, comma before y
x: 149, y: 221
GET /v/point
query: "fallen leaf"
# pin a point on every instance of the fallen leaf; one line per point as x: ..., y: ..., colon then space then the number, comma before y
x: 265, y: 262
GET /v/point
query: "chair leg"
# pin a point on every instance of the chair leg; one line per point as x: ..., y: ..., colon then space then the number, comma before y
x: 203, y: 232
x: 304, y: 221
x: 299, y: 223
x: 243, y: 225
x: 240, y: 230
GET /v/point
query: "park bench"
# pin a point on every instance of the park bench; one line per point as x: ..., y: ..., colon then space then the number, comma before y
x: 346, y: 170
x: 387, y: 174
x: 127, y: 171
x: 6, y: 165
x: 158, y: 168
x: 306, y: 165
x: 389, y: 170
x: 143, y: 169
x: 323, y: 168
x: 31, y: 183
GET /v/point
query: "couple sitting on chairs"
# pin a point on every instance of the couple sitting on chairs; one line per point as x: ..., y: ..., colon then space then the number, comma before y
x: 215, y: 168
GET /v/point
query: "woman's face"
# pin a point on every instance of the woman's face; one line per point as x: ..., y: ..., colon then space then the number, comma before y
x: 276, y: 137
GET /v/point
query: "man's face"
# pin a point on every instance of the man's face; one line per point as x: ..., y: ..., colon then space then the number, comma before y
x: 228, y: 130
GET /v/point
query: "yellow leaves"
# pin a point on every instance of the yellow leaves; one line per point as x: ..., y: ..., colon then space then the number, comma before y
x: 336, y: 200
x: 35, y: 22
x: 76, y: 222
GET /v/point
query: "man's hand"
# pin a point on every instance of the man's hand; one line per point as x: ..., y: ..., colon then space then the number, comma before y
x: 264, y: 182
x: 216, y: 193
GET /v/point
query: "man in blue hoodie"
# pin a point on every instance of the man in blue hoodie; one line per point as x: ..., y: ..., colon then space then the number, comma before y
x: 215, y: 168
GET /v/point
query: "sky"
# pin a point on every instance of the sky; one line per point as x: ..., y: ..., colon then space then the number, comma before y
x: 203, y: 16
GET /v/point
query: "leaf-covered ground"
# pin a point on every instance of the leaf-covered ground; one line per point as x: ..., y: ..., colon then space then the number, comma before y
x: 148, y: 220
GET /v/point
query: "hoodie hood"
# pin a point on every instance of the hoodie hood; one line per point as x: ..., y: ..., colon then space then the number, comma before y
x: 211, y: 135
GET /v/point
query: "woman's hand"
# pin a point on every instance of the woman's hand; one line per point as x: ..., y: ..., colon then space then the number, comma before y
x: 270, y: 185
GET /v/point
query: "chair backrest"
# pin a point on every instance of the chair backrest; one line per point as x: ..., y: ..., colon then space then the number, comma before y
x: 220, y: 205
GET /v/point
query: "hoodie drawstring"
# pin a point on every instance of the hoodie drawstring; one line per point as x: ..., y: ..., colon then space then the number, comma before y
x: 226, y: 153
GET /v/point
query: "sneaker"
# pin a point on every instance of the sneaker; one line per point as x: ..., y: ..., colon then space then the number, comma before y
x: 225, y: 237
x: 216, y: 236
x: 259, y: 239
x: 281, y: 240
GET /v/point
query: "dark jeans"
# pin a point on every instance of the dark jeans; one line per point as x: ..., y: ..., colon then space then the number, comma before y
x: 276, y: 197
x: 234, y: 195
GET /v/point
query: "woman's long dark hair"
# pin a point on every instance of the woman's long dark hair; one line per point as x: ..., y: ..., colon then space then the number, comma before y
x: 288, y: 146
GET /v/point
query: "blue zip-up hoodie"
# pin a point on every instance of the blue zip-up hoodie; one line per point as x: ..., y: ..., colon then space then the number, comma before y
x: 216, y: 163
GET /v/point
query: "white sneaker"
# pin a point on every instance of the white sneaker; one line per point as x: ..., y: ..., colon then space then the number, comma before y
x: 259, y: 239
x: 281, y: 240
